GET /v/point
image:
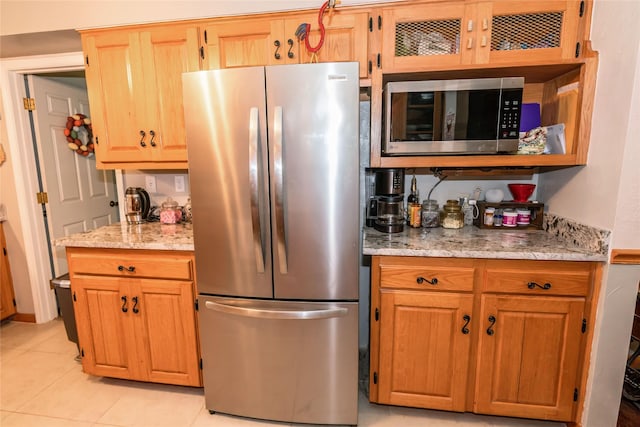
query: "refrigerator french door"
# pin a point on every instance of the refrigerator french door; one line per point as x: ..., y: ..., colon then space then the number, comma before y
x: 274, y: 176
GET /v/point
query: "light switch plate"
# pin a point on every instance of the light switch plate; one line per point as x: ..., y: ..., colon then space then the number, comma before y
x: 150, y: 183
x: 179, y: 183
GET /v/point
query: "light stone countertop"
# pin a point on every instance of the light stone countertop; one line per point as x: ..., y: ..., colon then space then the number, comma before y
x: 472, y: 242
x: 150, y: 235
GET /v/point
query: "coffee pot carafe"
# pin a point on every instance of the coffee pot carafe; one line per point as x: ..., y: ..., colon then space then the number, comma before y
x: 137, y: 205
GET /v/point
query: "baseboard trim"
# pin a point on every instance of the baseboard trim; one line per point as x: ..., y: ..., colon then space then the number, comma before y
x: 24, y: 317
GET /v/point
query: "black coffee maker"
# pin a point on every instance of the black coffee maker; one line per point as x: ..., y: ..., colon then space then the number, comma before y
x: 388, y: 201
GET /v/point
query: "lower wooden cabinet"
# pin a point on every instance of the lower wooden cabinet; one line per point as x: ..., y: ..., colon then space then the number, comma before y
x: 7, y: 295
x: 500, y: 337
x: 135, y: 314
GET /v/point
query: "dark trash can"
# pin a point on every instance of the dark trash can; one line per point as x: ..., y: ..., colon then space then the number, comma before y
x: 62, y: 287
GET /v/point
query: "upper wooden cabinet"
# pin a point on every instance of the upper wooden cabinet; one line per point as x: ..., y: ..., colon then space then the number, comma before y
x: 444, y: 35
x: 134, y: 79
x: 242, y: 42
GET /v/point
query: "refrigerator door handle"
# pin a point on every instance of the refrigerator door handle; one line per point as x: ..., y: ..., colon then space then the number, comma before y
x: 281, y: 240
x: 277, y: 314
x: 255, y: 188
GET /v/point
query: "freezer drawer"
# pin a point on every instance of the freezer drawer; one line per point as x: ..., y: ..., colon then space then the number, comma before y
x: 282, y: 361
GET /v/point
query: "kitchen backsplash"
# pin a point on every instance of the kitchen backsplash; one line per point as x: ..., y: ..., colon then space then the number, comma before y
x: 165, y: 183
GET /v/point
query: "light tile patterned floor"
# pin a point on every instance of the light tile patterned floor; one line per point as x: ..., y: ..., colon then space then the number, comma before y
x: 43, y: 386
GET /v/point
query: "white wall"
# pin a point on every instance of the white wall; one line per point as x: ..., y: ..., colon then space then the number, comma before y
x: 606, y: 194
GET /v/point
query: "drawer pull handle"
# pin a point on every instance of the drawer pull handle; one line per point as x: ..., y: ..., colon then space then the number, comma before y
x: 277, y: 45
x: 421, y: 280
x: 142, y: 134
x: 153, y: 136
x: 135, y: 305
x: 466, y: 319
x: 130, y: 269
x: 532, y: 285
x: 490, y: 330
x: 124, y: 304
x: 289, y: 53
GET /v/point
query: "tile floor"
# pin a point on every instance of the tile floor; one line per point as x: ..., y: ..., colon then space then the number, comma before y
x: 42, y: 385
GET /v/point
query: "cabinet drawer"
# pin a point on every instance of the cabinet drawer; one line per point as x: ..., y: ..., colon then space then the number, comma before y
x: 436, y: 274
x: 538, y: 278
x: 159, y: 264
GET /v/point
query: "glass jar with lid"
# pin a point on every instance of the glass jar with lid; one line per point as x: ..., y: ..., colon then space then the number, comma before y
x: 451, y: 215
x: 170, y: 212
x: 430, y: 213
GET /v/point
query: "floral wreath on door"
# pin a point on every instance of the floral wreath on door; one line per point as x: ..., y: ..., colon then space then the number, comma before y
x: 79, y: 135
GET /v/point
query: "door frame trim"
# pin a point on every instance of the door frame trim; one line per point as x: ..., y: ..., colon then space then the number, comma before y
x: 20, y: 147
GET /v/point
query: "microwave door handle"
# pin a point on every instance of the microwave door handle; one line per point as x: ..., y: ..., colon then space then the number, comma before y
x: 262, y: 313
x: 255, y: 188
x: 281, y: 240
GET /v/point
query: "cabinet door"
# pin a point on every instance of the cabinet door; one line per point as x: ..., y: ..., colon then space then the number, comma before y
x: 528, y: 356
x: 167, y: 52
x: 430, y: 35
x: 246, y: 42
x: 345, y: 37
x: 424, y: 349
x: 116, y: 90
x: 102, y: 307
x: 164, y: 316
x: 527, y: 31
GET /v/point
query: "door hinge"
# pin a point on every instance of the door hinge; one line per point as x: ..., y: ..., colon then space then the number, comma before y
x: 42, y: 198
x: 196, y: 305
x: 377, y: 314
x: 375, y: 378
x: 584, y: 325
x: 575, y: 394
x: 29, y: 104
x: 96, y: 140
x: 578, y: 50
x: 201, y: 363
x: 82, y: 352
x: 14, y: 302
x: 581, y: 8
x: 74, y: 297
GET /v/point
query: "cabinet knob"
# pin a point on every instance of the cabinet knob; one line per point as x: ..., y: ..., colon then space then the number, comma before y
x: 420, y: 280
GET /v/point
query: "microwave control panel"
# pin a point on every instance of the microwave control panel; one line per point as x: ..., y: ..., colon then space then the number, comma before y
x: 510, y: 107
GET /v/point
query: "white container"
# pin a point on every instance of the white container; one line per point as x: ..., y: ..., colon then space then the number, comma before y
x: 488, y: 216
x: 524, y: 216
x: 494, y: 195
x: 509, y: 219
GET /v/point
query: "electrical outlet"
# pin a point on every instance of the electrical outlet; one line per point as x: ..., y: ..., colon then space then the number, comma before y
x: 150, y: 183
x: 179, y: 183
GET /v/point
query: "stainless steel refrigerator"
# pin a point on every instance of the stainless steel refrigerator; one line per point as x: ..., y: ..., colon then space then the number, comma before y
x: 274, y: 176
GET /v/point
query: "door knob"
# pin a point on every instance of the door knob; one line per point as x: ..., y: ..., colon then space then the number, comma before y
x: 113, y: 203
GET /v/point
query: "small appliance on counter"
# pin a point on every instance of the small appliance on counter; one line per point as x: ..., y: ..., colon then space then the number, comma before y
x: 390, y: 200
x: 137, y: 203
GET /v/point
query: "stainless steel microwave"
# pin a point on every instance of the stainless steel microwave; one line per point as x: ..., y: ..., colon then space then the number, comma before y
x: 471, y: 116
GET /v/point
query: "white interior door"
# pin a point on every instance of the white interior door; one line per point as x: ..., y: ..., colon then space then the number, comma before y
x: 79, y: 195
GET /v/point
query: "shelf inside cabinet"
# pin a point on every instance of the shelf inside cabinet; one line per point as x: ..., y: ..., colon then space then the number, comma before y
x: 564, y: 91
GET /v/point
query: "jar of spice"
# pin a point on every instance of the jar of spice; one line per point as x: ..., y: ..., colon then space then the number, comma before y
x: 430, y: 213
x: 451, y: 215
x: 170, y: 213
x: 414, y: 215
